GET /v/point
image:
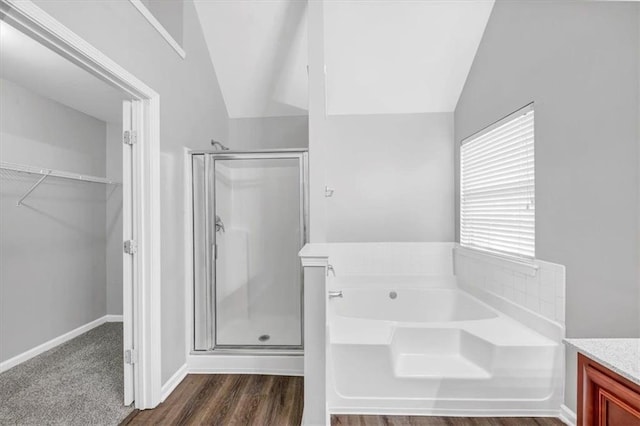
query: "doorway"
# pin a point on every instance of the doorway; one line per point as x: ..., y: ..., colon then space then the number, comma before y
x: 138, y: 139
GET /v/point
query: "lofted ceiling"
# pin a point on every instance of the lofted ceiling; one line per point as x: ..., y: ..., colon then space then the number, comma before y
x: 33, y: 66
x: 259, y: 52
x: 394, y: 57
x: 381, y: 56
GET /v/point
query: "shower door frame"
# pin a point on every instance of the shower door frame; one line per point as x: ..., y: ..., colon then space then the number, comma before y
x: 210, y: 243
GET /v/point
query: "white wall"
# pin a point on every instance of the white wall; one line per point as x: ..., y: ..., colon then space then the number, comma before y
x: 52, y: 250
x: 392, y: 175
x: 73, y: 146
x: 114, y: 218
x: 170, y: 14
x: 268, y: 133
x: 578, y: 61
x: 192, y: 112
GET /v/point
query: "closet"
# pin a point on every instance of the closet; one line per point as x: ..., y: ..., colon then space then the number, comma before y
x: 61, y: 256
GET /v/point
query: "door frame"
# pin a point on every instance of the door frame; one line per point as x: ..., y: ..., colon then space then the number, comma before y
x: 144, y: 183
x: 210, y: 161
x: 243, y: 350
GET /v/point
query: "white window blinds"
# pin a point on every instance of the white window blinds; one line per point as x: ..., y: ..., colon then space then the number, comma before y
x: 497, y: 187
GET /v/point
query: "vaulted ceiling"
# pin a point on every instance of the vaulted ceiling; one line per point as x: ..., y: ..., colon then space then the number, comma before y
x: 41, y: 70
x: 259, y: 52
x: 382, y: 56
x: 394, y: 57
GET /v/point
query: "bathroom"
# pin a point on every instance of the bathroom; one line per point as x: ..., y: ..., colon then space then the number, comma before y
x: 310, y: 247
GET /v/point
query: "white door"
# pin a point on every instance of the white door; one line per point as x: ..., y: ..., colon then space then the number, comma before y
x: 129, y: 127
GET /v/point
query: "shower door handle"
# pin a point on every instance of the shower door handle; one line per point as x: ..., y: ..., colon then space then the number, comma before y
x: 219, y: 224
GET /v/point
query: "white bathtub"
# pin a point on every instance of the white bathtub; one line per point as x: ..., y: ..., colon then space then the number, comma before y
x: 412, y: 305
x: 418, y: 345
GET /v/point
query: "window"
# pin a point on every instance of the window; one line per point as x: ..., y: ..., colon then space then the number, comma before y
x: 497, y: 187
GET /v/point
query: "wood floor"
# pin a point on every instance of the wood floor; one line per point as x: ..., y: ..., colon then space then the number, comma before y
x: 229, y: 399
x: 237, y: 399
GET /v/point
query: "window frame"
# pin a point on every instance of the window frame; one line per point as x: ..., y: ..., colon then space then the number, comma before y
x: 513, y: 256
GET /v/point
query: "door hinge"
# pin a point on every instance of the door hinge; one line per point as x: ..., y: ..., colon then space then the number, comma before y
x: 131, y: 356
x: 130, y: 137
x: 131, y: 247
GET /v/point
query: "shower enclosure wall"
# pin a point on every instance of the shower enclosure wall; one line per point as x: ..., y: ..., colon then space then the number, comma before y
x: 249, y: 225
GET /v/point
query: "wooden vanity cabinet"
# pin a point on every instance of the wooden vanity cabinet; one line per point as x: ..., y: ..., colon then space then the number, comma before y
x: 604, y: 397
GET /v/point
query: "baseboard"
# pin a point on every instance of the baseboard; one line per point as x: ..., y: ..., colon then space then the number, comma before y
x: 113, y: 318
x: 281, y: 365
x: 25, y: 356
x: 567, y: 416
x: 173, y: 382
x: 234, y: 364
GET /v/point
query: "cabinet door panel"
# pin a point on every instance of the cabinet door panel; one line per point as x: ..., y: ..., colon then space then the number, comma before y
x: 604, y: 398
x: 614, y: 411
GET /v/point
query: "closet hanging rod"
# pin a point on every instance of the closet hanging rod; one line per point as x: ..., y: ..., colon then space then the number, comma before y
x: 55, y: 173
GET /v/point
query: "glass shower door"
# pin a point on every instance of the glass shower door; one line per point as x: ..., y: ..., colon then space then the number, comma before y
x: 257, y: 222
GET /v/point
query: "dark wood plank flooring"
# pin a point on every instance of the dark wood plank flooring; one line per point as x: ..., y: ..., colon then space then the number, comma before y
x: 239, y: 399
x: 228, y: 399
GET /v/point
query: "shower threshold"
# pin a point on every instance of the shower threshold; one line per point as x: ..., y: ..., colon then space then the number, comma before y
x: 259, y: 350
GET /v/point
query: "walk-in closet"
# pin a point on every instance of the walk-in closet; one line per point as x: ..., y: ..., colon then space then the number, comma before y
x: 61, y: 251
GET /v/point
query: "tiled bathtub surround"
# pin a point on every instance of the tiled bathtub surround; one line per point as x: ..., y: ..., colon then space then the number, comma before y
x: 391, y: 258
x: 537, y: 287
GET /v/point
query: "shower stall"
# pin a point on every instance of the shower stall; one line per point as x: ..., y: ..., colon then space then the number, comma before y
x: 249, y: 222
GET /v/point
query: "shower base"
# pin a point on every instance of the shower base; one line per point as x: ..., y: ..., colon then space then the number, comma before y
x: 267, y: 330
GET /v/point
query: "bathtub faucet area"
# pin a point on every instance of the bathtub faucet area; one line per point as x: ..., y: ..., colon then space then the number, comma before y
x: 406, y: 332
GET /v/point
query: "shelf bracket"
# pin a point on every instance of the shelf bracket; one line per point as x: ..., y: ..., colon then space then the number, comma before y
x: 35, y: 185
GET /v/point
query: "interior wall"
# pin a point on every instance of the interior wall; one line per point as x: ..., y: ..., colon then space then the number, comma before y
x: 192, y: 112
x: 170, y: 14
x: 52, y: 250
x: 49, y: 141
x: 392, y: 176
x: 268, y: 133
x: 578, y: 61
x: 113, y: 228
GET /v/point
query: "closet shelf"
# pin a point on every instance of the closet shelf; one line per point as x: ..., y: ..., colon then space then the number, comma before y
x: 50, y: 172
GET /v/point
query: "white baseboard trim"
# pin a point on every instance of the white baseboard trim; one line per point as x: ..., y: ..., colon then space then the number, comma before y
x: 173, y: 382
x: 235, y: 364
x: 25, y: 356
x: 113, y: 318
x: 567, y: 416
x: 282, y: 365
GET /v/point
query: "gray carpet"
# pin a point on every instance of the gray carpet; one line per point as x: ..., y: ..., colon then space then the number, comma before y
x: 77, y: 383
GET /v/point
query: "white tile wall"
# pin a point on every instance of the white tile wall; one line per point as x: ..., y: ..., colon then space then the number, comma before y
x: 392, y: 258
x: 538, y: 288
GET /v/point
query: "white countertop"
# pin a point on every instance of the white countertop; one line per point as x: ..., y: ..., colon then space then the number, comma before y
x: 621, y: 356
